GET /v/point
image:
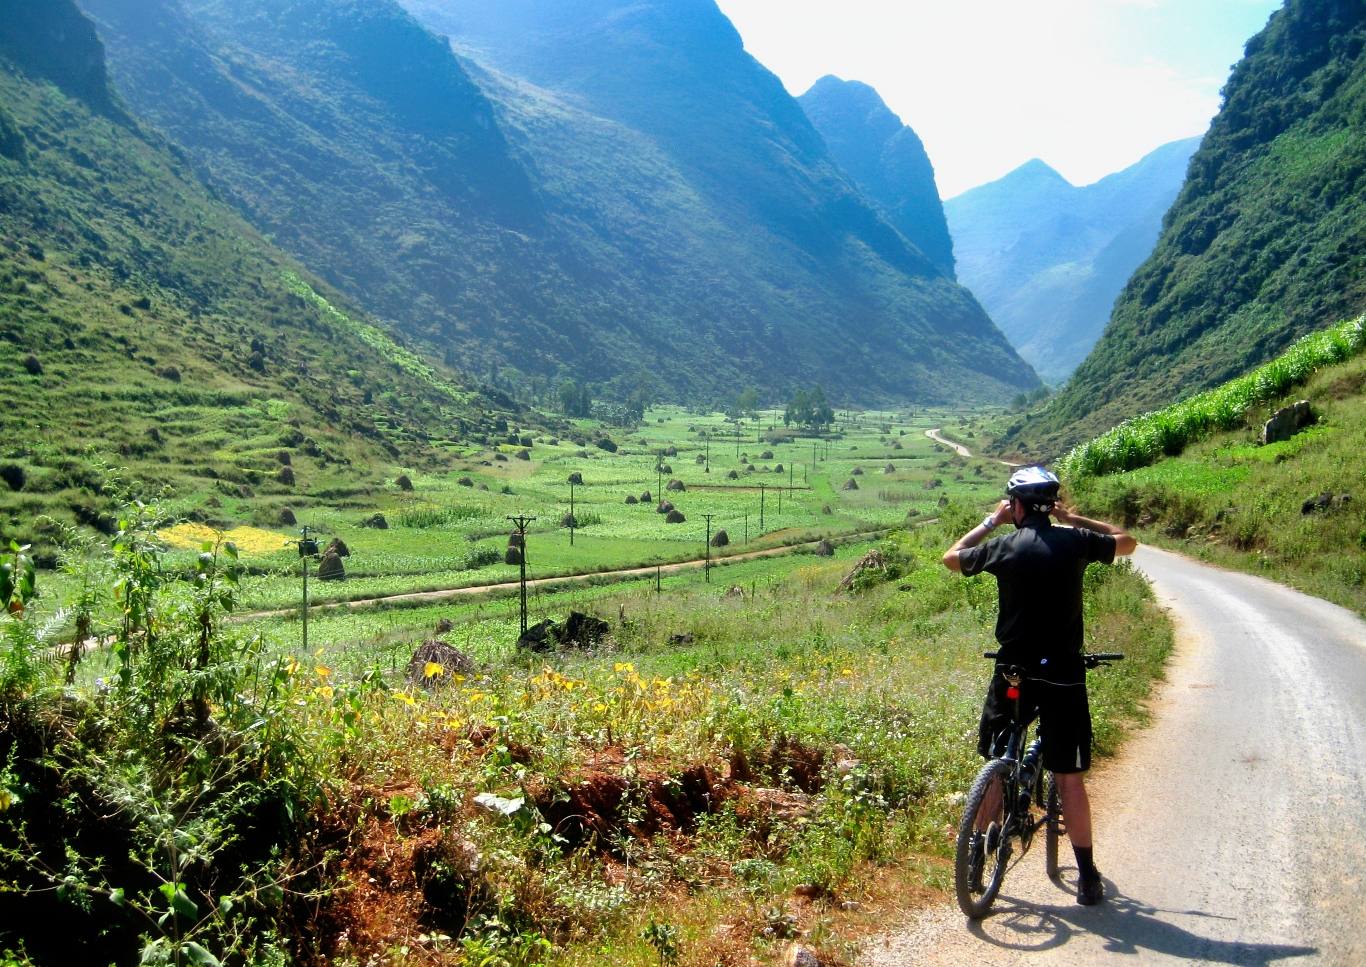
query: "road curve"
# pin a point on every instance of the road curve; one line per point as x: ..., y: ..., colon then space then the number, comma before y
x: 1233, y: 829
x: 938, y: 437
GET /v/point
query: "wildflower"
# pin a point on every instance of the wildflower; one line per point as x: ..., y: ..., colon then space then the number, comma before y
x: 433, y: 670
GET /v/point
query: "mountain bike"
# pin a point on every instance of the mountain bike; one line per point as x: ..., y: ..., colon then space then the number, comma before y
x: 1009, y: 802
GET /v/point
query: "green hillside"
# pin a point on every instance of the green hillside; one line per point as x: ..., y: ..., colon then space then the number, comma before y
x: 147, y: 327
x: 1294, y: 511
x: 1267, y: 240
x: 1047, y: 258
x: 885, y: 158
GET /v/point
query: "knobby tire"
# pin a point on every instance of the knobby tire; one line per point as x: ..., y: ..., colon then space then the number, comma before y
x: 972, y: 901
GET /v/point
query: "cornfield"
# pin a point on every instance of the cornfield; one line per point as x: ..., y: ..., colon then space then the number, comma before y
x: 1145, y: 439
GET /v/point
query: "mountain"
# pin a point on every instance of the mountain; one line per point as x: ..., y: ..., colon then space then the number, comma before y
x: 147, y: 326
x: 1047, y: 258
x: 1265, y: 242
x: 682, y: 230
x: 885, y: 158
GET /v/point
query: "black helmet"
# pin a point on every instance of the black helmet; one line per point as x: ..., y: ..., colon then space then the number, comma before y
x: 1035, y: 487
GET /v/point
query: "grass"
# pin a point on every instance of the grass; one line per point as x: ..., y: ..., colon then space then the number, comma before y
x: 1166, y: 432
x: 1234, y: 502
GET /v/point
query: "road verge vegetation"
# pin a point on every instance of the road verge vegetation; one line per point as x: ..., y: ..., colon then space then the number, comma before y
x: 1293, y: 510
x: 734, y: 766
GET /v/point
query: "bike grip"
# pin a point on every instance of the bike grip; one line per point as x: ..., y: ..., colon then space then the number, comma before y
x: 991, y: 654
x: 1106, y: 656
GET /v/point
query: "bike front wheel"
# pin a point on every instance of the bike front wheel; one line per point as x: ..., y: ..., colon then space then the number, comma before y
x: 983, y: 844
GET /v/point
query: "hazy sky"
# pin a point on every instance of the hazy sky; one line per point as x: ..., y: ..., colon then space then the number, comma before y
x: 1089, y: 86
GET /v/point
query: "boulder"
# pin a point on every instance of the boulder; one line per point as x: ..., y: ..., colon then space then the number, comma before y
x: 575, y: 478
x: 32, y: 365
x: 403, y: 482
x: 664, y: 507
x: 465, y: 482
x: 674, y: 517
x: 681, y: 638
x: 1323, y: 502
x: 675, y: 485
x: 720, y: 539
x: 330, y: 568
x: 449, y: 661
x: 583, y: 630
x: 523, y: 454
x: 501, y: 457
x: 375, y: 522
x: 13, y: 475
x: 1287, y: 421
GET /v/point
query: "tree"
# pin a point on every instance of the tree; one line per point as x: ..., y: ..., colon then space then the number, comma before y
x: 575, y: 399
x: 747, y: 402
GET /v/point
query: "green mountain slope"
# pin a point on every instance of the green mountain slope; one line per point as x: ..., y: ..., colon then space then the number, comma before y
x: 714, y: 244
x: 147, y: 326
x: 1266, y: 241
x: 1047, y: 258
x: 885, y: 158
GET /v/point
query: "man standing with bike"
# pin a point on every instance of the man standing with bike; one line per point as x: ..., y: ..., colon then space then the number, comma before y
x: 1038, y: 570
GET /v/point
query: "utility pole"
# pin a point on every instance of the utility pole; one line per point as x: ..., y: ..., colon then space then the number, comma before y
x: 521, y: 523
x: 308, y: 549
x: 573, y: 521
x: 762, y: 487
x: 791, y: 470
x: 708, y: 468
x: 746, y: 527
x: 780, y: 498
x: 706, y: 565
x: 659, y: 476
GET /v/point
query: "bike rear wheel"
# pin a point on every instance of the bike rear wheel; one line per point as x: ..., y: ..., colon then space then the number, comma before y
x: 983, y: 846
x: 1052, y: 828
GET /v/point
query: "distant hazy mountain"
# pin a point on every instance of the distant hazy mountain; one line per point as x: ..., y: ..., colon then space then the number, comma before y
x: 1266, y: 241
x: 1047, y: 259
x: 886, y: 160
x: 782, y: 265
x: 150, y: 327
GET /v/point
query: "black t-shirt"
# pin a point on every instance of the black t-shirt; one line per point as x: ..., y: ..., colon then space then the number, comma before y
x: 1038, y: 573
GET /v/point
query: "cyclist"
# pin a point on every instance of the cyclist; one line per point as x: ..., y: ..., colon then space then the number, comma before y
x: 1038, y: 570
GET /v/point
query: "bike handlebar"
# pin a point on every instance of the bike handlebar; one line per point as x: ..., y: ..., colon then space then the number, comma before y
x: 1091, y: 659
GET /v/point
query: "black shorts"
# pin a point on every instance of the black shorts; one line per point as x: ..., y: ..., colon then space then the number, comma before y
x: 1064, y: 722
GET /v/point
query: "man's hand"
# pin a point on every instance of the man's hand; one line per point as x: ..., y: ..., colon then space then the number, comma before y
x: 1062, y: 513
x: 1002, y: 514
x: 1124, y: 542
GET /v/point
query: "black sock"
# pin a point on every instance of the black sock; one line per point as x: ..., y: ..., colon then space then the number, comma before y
x: 1086, y: 866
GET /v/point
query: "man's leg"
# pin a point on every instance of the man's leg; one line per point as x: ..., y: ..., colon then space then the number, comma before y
x: 1076, y: 813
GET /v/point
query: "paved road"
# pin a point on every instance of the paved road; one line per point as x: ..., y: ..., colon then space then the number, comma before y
x: 1233, y: 830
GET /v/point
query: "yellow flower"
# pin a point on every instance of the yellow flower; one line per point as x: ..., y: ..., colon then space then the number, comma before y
x: 324, y: 691
x: 433, y: 670
x: 292, y: 667
x: 599, y: 707
x: 323, y: 671
x: 624, y: 666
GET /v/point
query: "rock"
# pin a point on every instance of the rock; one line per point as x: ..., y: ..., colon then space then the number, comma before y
x: 403, y: 482
x: 674, y: 517
x: 375, y: 522
x: 338, y: 547
x: 13, y: 475
x: 632, y: 499
x: 800, y: 956
x: 850, y: 484
x: 675, y: 485
x: 575, y: 478
x: 1287, y: 421
x: 32, y: 365
x: 606, y: 443
x: 285, y: 475
x: 664, y: 507
x: 433, y: 652
x: 681, y: 638
x: 808, y: 891
x: 1321, y: 502
x: 851, y: 906
x: 583, y: 631
x: 501, y: 457
x: 645, y: 498
x: 825, y: 548
x: 720, y: 539
x: 523, y: 454
x: 465, y: 482
x: 287, y: 517
x: 330, y: 568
